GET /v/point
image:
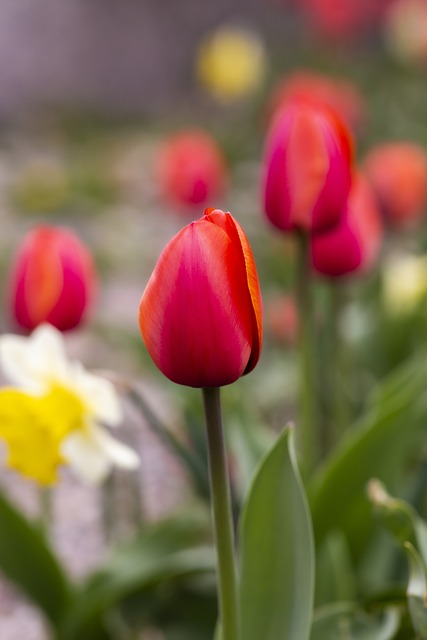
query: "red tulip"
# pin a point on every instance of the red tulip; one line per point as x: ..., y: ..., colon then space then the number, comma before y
x: 339, y: 95
x: 398, y: 174
x: 201, y: 312
x: 53, y: 279
x: 342, y: 19
x: 354, y: 244
x: 191, y: 168
x: 307, y: 168
x: 281, y: 315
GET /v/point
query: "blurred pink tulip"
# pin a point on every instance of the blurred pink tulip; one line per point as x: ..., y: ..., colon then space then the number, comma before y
x: 201, y: 312
x: 398, y: 174
x: 340, y: 95
x: 52, y: 280
x: 355, y: 243
x: 281, y: 316
x: 341, y: 20
x: 306, y: 167
x: 191, y: 169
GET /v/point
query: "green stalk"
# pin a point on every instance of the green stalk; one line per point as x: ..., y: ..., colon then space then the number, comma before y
x: 306, y: 427
x: 222, y: 517
x: 340, y: 413
x: 45, y: 497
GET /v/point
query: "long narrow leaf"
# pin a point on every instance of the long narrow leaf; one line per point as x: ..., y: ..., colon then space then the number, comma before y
x: 27, y: 560
x: 276, y: 590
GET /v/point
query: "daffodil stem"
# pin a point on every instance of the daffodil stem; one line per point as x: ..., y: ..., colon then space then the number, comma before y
x: 45, y: 495
x: 222, y: 517
x: 306, y: 428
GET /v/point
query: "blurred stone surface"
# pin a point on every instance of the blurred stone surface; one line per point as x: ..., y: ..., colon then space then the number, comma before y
x: 112, y: 55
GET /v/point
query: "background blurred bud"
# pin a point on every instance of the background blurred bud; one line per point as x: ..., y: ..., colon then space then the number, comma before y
x: 398, y: 174
x: 231, y: 63
x: 52, y: 280
x: 191, y: 169
x: 404, y: 282
x: 342, y: 96
x: 354, y: 244
x: 281, y: 318
x: 201, y: 312
x: 306, y: 168
x: 341, y: 20
x: 405, y: 28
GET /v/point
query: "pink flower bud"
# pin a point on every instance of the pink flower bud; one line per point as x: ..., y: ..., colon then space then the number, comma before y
x: 338, y: 94
x: 307, y: 168
x: 52, y: 280
x: 201, y: 312
x: 354, y: 244
x: 342, y: 20
x: 191, y: 169
x: 398, y: 174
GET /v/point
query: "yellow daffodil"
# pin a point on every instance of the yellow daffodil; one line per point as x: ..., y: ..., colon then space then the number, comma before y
x: 54, y: 412
x: 231, y: 63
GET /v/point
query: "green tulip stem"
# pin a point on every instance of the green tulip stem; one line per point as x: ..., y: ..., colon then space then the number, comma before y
x: 306, y: 427
x: 222, y: 517
x: 340, y: 413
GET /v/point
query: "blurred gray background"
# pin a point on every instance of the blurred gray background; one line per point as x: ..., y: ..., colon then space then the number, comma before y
x: 119, y: 56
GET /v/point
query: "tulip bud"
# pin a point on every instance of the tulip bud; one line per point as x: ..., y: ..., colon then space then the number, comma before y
x: 340, y: 95
x: 307, y: 167
x: 201, y: 312
x: 354, y: 244
x: 341, y: 20
x: 191, y: 169
x: 52, y: 280
x: 398, y: 174
x: 282, y: 318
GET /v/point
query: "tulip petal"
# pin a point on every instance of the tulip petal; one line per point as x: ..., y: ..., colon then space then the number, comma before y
x: 195, y: 314
x: 235, y: 231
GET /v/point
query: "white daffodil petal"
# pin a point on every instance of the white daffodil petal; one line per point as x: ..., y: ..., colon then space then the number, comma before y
x: 118, y: 453
x: 85, y: 458
x: 99, y: 395
x: 32, y: 362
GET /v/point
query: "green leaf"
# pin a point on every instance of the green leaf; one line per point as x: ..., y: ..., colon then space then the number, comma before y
x: 335, y: 575
x: 346, y: 621
x: 277, y: 557
x: 399, y: 517
x: 377, y: 447
x: 170, y: 551
x: 417, y: 592
x: 27, y: 560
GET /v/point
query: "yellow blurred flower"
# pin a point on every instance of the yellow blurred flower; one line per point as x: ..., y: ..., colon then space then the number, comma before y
x: 54, y: 414
x: 231, y: 63
x: 404, y: 283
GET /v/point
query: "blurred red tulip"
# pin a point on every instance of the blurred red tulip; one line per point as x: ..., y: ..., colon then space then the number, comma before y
x: 191, y: 169
x: 342, y: 96
x: 307, y: 168
x: 355, y: 243
x: 53, y: 279
x: 342, y: 19
x: 398, y: 174
x: 281, y: 316
x: 201, y: 312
